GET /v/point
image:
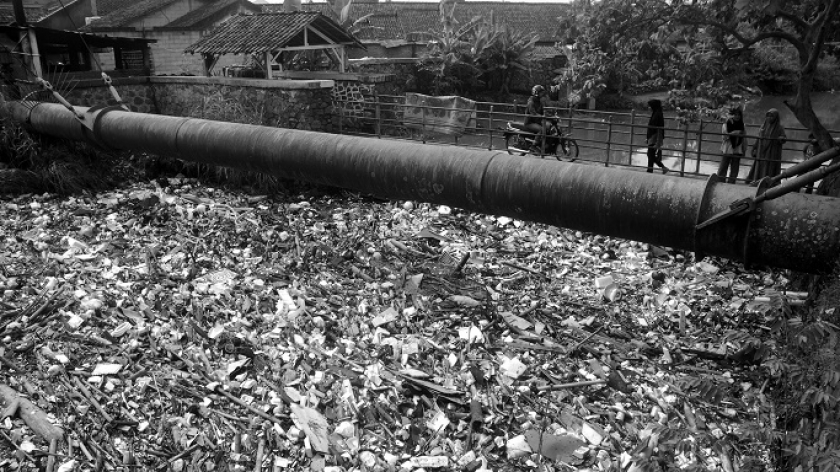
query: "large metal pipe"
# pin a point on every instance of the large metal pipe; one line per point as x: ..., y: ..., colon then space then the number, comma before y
x: 796, y: 231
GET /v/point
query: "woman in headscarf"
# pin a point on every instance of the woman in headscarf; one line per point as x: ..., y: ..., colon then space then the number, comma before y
x: 767, y: 149
x: 655, y: 136
x: 733, y: 146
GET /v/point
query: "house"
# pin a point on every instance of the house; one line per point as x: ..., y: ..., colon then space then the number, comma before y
x: 400, y: 29
x: 174, y: 24
x: 50, y: 46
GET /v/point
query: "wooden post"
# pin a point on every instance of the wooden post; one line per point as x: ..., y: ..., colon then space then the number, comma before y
x: 20, y: 13
x: 609, y: 140
x: 36, y: 55
x: 118, y: 59
x: 268, y: 61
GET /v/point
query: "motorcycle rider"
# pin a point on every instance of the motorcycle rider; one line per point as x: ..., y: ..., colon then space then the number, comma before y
x: 535, y: 114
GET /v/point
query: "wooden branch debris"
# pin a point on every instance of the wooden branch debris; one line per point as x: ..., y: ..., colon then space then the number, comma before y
x: 33, y: 416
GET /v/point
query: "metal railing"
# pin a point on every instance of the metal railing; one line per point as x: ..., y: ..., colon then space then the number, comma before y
x: 607, y: 138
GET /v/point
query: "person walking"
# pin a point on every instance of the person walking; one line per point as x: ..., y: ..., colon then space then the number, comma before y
x: 656, y: 136
x: 733, y: 146
x: 767, y: 149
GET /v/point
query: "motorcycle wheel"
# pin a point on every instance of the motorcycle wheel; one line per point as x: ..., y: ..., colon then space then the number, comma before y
x: 567, y: 148
x: 510, y: 145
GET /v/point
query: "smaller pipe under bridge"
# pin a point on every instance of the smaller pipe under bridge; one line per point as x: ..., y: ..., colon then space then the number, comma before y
x: 795, y: 231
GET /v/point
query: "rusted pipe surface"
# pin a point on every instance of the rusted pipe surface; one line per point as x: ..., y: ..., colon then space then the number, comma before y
x: 796, y: 231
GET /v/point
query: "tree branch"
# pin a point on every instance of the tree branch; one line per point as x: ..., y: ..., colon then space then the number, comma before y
x: 822, y: 20
x: 747, y: 42
x: 797, y: 21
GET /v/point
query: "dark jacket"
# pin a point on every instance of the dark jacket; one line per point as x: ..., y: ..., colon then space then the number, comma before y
x: 656, y: 124
x: 534, y: 111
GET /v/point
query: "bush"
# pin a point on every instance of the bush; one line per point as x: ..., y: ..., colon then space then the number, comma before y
x: 774, y: 69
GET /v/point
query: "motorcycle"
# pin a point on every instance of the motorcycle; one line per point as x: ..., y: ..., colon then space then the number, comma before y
x: 520, y: 141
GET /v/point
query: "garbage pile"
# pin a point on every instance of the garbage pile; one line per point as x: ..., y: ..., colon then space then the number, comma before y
x: 172, y: 326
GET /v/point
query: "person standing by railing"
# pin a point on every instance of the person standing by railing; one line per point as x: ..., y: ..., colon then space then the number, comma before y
x: 733, y: 146
x: 656, y: 136
x: 767, y: 149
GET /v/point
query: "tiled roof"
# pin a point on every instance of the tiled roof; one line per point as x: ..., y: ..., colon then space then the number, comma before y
x: 33, y: 13
x: 402, y: 20
x: 200, y: 16
x: 256, y: 34
x: 106, y: 7
x: 128, y: 14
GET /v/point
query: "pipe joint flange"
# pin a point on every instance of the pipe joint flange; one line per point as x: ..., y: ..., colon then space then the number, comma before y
x: 95, y: 135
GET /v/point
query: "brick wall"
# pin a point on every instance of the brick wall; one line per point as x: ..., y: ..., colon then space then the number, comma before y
x: 168, y: 53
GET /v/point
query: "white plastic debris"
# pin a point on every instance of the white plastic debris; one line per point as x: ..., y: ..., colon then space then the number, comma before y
x: 591, y: 434
x: 107, y: 369
x: 513, y: 368
x: 517, y: 446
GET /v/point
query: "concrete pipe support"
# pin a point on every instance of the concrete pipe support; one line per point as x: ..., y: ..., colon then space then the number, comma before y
x: 796, y: 231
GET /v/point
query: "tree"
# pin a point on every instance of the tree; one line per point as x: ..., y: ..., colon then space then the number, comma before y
x: 729, y: 29
x: 464, y: 57
x: 804, y: 25
x: 449, y: 54
x: 500, y: 51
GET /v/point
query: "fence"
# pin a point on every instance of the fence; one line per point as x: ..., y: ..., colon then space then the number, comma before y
x: 608, y: 138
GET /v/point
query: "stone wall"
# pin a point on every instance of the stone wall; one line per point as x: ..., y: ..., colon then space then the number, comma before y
x: 399, y: 71
x: 293, y: 104
x: 134, y: 92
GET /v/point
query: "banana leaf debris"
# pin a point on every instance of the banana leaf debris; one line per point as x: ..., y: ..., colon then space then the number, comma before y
x: 174, y: 326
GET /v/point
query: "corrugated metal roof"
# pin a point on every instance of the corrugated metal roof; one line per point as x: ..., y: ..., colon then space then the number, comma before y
x: 401, y: 20
x: 200, y: 16
x: 246, y: 34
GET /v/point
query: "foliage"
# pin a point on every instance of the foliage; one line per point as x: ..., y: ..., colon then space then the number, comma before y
x: 499, y: 51
x: 583, y: 77
x: 795, y: 414
x: 36, y: 164
x: 774, y: 69
x: 464, y: 58
x: 449, y: 56
x: 614, y: 101
x: 702, y: 48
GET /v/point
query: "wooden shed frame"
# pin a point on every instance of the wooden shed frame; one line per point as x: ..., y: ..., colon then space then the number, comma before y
x: 269, y: 35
